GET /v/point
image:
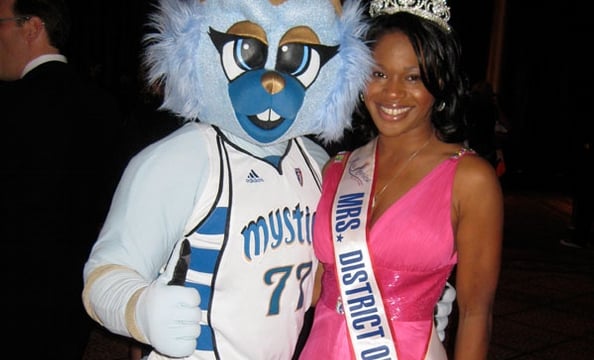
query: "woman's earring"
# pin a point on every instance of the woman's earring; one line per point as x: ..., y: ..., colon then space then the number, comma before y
x: 441, y: 106
x: 361, y: 97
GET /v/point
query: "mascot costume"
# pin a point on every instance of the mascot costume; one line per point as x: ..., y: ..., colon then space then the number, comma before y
x: 206, y: 252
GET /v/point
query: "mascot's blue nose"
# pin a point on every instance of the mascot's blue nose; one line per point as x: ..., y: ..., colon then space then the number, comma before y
x: 272, y: 82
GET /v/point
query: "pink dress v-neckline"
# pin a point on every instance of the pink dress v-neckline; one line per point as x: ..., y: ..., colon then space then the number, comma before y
x: 412, y: 250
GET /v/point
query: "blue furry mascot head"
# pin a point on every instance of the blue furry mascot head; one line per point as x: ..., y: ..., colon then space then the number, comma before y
x: 266, y: 71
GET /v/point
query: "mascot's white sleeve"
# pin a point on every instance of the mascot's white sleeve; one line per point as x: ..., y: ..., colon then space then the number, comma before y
x: 147, y: 218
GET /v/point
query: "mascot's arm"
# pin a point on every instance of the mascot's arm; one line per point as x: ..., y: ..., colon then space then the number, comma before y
x: 123, y: 289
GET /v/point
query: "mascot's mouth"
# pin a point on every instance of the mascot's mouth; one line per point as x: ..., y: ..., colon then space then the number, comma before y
x: 268, y: 119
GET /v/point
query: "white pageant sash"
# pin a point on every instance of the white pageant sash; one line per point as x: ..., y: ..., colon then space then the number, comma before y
x: 368, y: 326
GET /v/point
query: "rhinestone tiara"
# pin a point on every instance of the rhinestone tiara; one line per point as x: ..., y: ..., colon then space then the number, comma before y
x: 434, y: 10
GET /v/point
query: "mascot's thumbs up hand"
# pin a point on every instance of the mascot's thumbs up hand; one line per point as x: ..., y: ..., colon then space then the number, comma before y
x: 167, y: 314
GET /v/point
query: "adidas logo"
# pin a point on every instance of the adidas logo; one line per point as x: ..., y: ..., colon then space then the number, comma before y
x: 253, y: 177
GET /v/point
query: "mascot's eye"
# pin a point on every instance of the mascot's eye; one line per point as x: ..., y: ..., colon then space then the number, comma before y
x: 239, y: 54
x: 249, y: 53
x: 303, y: 61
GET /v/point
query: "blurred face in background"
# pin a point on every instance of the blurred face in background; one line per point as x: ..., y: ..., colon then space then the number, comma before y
x: 13, y: 42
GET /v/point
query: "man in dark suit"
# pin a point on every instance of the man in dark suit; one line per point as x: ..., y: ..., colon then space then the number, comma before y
x: 57, y: 172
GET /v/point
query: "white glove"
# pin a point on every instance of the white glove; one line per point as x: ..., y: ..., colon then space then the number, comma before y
x: 443, y: 309
x: 167, y: 314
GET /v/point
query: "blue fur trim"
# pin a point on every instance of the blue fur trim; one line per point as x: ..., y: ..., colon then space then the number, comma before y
x: 356, y: 66
x: 175, y: 23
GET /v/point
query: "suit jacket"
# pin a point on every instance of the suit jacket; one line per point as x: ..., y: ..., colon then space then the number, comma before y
x: 58, y: 170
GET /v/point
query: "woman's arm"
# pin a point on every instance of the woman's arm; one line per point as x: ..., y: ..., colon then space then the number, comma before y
x: 478, y: 221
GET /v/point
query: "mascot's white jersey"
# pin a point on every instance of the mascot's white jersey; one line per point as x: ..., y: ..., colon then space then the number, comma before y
x: 254, y: 264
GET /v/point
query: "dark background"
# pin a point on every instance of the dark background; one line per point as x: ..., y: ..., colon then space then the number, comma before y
x: 544, y: 86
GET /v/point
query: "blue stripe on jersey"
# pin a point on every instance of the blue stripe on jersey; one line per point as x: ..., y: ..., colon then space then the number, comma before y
x: 205, y: 339
x: 215, y: 223
x: 203, y: 260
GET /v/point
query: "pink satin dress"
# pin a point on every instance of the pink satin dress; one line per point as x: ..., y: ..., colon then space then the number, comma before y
x: 412, y: 250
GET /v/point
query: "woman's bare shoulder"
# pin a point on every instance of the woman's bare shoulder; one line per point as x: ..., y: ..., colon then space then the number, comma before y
x: 476, y: 176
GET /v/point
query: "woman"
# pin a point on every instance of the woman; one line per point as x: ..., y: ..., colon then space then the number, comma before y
x: 397, y: 214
